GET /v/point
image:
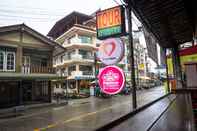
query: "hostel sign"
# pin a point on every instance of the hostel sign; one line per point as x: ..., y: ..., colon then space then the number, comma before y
x: 110, y: 22
x: 111, y: 80
x: 111, y: 51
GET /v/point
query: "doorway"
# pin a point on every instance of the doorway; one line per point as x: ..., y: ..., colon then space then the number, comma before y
x: 27, y: 91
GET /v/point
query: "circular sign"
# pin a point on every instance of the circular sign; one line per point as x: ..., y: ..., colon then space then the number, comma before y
x: 111, y: 51
x: 111, y: 80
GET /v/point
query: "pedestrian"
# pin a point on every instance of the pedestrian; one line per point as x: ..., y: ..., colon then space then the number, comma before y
x: 97, y: 89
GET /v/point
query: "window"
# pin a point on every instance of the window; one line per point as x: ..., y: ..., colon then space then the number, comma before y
x: 85, y: 39
x: 44, y: 62
x: 85, y: 54
x: 72, y: 40
x: 10, y: 61
x: 7, y: 61
x: 2, y: 59
x: 61, y: 59
x: 71, y: 68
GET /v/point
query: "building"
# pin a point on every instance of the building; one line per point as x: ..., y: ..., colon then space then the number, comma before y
x: 26, y: 67
x: 76, y: 65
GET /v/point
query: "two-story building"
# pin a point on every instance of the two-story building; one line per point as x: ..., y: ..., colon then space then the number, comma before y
x: 78, y: 36
x: 26, y: 68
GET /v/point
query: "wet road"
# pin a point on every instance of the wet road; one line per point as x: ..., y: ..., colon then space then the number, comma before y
x: 85, y: 116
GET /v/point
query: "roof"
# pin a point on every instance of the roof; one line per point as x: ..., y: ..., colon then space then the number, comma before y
x: 25, y: 28
x: 67, y: 22
x: 171, y: 22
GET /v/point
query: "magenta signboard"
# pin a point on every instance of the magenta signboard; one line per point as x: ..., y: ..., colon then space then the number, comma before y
x: 111, y: 79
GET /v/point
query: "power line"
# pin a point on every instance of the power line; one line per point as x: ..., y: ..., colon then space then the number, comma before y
x: 116, y: 2
x: 30, y: 12
x: 27, y: 17
x: 30, y: 8
x: 20, y: 19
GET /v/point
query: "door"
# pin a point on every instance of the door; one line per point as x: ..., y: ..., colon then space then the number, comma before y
x: 26, y: 64
x: 27, y: 91
x: 8, y: 94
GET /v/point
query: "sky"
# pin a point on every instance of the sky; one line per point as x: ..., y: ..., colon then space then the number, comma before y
x: 41, y: 15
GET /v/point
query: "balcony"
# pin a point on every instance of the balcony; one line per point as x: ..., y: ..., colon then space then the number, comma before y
x: 79, y: 45
x: 78, y: 58
x: 37, y: 69
x: 89, y: 73
x: 81, y: 75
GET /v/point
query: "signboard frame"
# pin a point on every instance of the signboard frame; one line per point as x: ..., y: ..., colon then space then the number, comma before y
x: 122, y: 25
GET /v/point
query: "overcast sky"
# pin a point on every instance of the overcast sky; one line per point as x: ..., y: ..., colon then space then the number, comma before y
x: 41, y: 15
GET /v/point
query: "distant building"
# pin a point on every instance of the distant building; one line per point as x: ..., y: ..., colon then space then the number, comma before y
x: 26, y: 70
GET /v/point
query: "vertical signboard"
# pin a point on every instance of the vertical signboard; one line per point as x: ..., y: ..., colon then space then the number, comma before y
x: 110, y: 22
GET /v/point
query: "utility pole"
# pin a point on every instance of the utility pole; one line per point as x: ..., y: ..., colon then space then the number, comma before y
x: 167, y: 74
x: 129, y: 18
x: 95, y: 70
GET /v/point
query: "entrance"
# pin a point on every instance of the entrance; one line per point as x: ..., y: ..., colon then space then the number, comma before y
x: 27, y: 91
x: 8, y: 94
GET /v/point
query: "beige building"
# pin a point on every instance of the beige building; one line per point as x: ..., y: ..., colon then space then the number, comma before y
x: 76, y: 65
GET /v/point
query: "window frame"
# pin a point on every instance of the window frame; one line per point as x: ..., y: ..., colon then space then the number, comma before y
x: 6, y: 61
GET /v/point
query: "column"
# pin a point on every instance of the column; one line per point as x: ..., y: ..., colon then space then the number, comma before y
x: 19, y: 57
x: 177, y: 67
x: 20, y: 93
x: 49, y: 91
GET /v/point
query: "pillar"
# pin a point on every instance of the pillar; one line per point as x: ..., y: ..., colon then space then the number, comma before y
x: 20, y: 93
x: 19, y: 58
x: 177, y: 67
x: 49, y: 91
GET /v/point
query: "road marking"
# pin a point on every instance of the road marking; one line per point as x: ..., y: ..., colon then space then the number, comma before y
x: 77, y: 117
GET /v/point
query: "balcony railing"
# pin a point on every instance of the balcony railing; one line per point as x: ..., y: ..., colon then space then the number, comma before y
x: 90, y: 73
x: 37, y: 69
x: 80, y: 73
x: 87, y: 57
x: 78, y: 57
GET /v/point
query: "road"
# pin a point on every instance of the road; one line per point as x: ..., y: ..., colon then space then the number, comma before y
x: 85, y: 116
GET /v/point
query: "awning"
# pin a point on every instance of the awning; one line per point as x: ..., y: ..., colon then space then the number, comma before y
x: 21, y: 76
x: 171, y: 22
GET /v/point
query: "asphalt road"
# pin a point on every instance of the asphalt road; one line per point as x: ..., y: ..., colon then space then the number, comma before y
x: 85, y: 116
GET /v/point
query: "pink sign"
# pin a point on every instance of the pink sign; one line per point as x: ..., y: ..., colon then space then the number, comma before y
x: 111, y: 80
x: 111, y: 51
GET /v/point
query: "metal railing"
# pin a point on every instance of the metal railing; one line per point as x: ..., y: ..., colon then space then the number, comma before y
x: 87, y: 73
x: 70, y: 57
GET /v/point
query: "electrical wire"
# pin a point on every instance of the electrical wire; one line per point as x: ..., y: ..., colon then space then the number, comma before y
x: 116, y: 2
x: 31, y: 12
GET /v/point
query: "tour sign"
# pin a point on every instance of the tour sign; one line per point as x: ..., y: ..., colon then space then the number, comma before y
x: 111, y: 51
x: 111, y: 80
x: 110, y: 22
